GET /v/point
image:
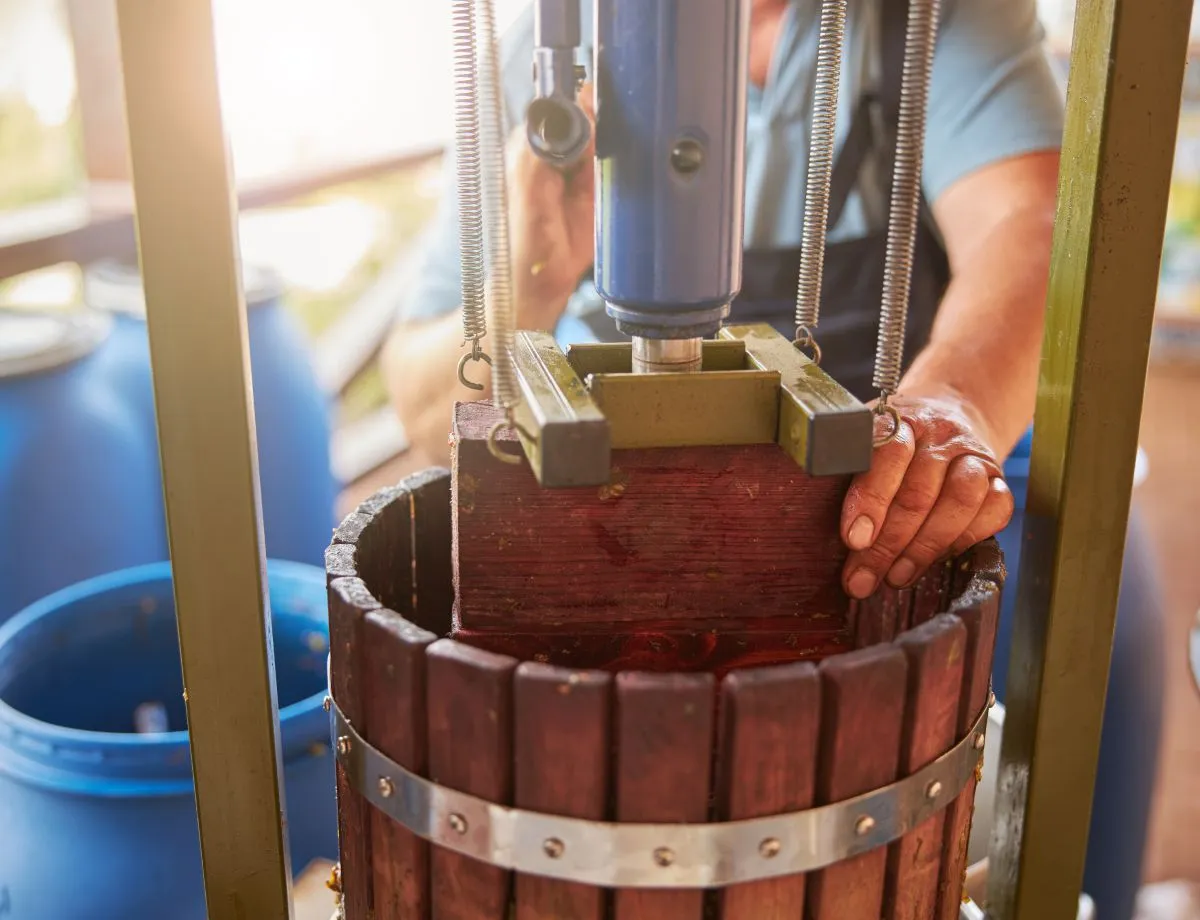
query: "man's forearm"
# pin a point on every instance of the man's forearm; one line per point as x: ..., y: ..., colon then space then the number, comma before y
x: 986, y: 342
x: 420, y: 368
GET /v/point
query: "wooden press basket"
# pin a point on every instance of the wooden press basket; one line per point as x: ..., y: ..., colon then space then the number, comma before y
x: 478, y: 786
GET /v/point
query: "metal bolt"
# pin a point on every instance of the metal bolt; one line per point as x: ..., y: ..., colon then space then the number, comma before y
x: 979, y: 741
x: 769, y: 848
x: 458, y: 823
x: 327, y: 703
x: 933, y: 790
x: 864, y: 825
x: 553, y: 847
x: 343, y: 745
x: 386, y: 787
x: 686, y: 156
x: 664, y: 856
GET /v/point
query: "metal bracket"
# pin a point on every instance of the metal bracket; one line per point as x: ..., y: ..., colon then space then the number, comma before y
x: 654, y: 855
x: 821, y: 425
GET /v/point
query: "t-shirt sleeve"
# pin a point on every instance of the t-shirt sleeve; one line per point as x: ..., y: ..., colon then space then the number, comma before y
x: 992, y: 93
x: 438, y: 288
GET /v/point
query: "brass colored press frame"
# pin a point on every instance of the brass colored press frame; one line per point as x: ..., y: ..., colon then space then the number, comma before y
x: 755, y: 387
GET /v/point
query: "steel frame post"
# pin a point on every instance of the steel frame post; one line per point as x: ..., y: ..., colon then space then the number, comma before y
x: 187, y: 233
x: 1123, y: 101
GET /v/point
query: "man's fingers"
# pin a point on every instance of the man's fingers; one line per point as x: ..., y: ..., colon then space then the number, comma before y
x: 961, y: 498
x: 871, y: 493
x: 913, y: 501
x: 993, y: 517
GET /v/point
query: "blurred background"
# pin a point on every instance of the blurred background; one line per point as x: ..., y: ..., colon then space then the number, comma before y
x: 337, y: 115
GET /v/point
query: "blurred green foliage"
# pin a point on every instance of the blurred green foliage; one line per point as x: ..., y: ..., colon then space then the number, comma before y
x: 37, y: 163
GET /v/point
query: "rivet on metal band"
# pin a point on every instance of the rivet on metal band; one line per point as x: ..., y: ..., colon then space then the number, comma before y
x: 655, y: 855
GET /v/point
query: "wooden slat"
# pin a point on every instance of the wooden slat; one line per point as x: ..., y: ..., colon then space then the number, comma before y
x: 881, y: 616
x: 432, y: 541
x: 862, y: 713
x: 978, y: 607
x: 770, y: 721
x: 349, y: 602
x: 664, y: 753
x: 339, y: 561
x: 469, y: 712
x: 394, y: 698
x: 935, y: 667
x: 930, y: 593
x: 561, y: 752
x: 381, y: 530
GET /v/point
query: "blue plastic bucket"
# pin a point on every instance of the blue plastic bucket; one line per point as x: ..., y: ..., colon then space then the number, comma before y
x: 98, y: 822
x: 79, y: 480
x: 292, y: 414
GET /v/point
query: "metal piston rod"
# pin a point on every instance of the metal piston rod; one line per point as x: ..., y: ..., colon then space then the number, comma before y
x: 666, y: 356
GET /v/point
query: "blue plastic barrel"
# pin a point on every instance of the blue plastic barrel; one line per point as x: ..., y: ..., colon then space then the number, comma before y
x: 292, y: 414
x: 79, y: 480
x: 1133, y: 709
x: 98, y: 822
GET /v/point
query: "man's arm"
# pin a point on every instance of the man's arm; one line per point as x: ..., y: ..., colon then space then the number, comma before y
x: 986, y: 342
x: 991, y: 167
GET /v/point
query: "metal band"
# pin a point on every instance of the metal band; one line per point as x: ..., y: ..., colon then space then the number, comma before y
x: 655, y: 855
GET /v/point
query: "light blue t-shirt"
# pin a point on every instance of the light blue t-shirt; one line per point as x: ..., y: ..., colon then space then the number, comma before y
x: 993, y: 95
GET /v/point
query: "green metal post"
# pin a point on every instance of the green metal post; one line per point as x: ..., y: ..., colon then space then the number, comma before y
x: 1123, y: 102
x: 187, y: 234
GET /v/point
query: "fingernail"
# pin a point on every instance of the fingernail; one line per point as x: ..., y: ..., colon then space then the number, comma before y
x: 861, y: 532
x: 902, y: 573
x: 862, y: 583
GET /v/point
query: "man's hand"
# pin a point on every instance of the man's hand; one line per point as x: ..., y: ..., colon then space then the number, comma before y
x: 553, y: 231
x: 934, y: 490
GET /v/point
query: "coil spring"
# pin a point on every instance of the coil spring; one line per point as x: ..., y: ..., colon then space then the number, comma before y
x: 820, y: 165
x: 495, y: 206
x: 467, y: 162
x: 906, y: 188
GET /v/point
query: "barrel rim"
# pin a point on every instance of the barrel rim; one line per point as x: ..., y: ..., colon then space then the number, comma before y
x: 127, y: 764
x: 115, y: 286
x: 83, y: 332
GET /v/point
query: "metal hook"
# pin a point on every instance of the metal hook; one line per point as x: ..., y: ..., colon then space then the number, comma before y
x: 475, y: 354
x: 493, y: 444
x: 885, y: 408
x: 805, y: 339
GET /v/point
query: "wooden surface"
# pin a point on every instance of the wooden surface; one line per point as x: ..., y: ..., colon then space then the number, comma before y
x: 664, y: 739
x: 469, y: 714
x: 766, y: 765
x: 979, y: 608
x: 561, y: 752
x: 394, y: 692
x: 935, y: 652
x: 679, y: 534
x: 349, y: 602
x: 862, y: 712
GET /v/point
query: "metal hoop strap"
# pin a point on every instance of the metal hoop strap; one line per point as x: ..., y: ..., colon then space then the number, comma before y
x: 654, y: 855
